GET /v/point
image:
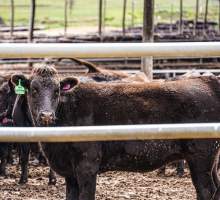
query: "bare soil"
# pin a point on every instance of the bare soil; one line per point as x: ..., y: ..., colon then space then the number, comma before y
x: 110, y: 186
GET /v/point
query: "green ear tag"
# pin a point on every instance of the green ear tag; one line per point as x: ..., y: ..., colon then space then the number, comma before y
x: 19, y: 89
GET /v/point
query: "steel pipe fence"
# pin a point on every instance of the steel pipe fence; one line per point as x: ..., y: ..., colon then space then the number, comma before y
x: 110, y: 133
x: 101, y: 50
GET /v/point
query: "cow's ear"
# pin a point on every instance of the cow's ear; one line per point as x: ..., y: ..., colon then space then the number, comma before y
x: 68, y: 84
x: 21, y: 80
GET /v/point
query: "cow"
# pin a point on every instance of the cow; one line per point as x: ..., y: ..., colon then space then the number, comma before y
x: 99, y: 74
x: 94, y: 74
x: 49, y: 101
x: 6, y: 106
x: 7, y: 100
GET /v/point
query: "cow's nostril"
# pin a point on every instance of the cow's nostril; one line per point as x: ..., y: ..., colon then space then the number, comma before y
x: 46, y: 117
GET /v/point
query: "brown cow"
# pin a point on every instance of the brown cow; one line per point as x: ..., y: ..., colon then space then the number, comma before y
x: 85, y: 104
x: 99, y: 74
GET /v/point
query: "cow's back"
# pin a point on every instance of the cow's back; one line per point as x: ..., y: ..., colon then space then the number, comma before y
x: 181, y: 101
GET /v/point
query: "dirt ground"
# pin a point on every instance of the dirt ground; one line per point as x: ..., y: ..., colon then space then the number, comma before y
x: 110, y: 186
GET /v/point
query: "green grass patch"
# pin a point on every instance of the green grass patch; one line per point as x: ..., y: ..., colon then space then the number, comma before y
x: 50, y: 13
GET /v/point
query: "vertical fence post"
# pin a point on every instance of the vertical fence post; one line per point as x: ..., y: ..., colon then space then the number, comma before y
x: 71, y: 4
x: 206, y: 15
x: 171, y: 18
x: 65, y: 17
x: 124, y: 17
x: 32, y: 20
x: 100, y: 18
x: 181, y: 17
x: 196, y: 17
x: 219, y: 16
x: 132, y: 12
x: 148, y: 36
x: 12, y: 18
x: 31, y: 25
x: 104, y: 13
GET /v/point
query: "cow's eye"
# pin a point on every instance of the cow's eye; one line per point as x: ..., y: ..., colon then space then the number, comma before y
x: 34, y: 91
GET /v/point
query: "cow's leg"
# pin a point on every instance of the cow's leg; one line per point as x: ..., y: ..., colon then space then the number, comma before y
x: 180, y: 168
x: 72, y: 189
x: 215, y: 174
x: 201, y: 173
x: 162, y: 170
x: 86, y: 172
x: 10, y: 156
x: 216, y: 196
x: 3, y: 171
x: 41, y: 158
x: 4, y: 155
x: 52, y: 177
x: 87, y: 184
x: 24, y: 156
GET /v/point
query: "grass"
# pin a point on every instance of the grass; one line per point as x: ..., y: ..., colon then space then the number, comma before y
x: 50, y: 13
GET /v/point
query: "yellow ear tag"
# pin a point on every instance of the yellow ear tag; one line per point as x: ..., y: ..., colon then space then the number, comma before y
x: 19, y: 89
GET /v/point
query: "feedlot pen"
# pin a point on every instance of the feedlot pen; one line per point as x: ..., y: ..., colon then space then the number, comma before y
x: 111, y: 185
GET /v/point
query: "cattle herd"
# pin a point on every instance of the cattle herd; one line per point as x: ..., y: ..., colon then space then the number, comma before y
x: 105, y: 97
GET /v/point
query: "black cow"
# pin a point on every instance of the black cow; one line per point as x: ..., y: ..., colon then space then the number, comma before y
x: 7, y: 100
x: 50, y: 102
x: 6, y: 106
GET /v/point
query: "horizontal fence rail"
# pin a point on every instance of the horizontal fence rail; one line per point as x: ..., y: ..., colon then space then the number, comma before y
x: 110, y: 133
x: 98, y: 50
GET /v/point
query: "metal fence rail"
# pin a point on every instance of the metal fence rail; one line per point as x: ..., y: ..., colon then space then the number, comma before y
x: 95, y: 50
x: 107, y: 133
x: 110, y: 133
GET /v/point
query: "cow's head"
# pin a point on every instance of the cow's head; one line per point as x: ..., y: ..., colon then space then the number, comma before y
x: 42, y: 91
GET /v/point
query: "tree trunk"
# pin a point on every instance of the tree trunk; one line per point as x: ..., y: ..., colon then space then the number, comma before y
x: 181, y: 17
x: 148, y: 36
x: 65, y: 17
x: 12, y: 18
x: 32, y: 20
x: 196, y: 17
x: 100, y: 18
x: 124, y: 17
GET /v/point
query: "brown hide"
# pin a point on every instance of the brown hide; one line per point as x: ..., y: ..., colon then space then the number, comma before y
x: 156, y: 102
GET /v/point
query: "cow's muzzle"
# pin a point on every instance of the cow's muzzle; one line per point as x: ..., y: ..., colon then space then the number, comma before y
x: 46, y: 118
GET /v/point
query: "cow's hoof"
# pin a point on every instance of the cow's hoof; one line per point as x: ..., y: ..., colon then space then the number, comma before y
x: 180, y: 174
x: 22, y: 181
x: 161, y: 173
x: 3, y: 173
x: 52, y: 181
